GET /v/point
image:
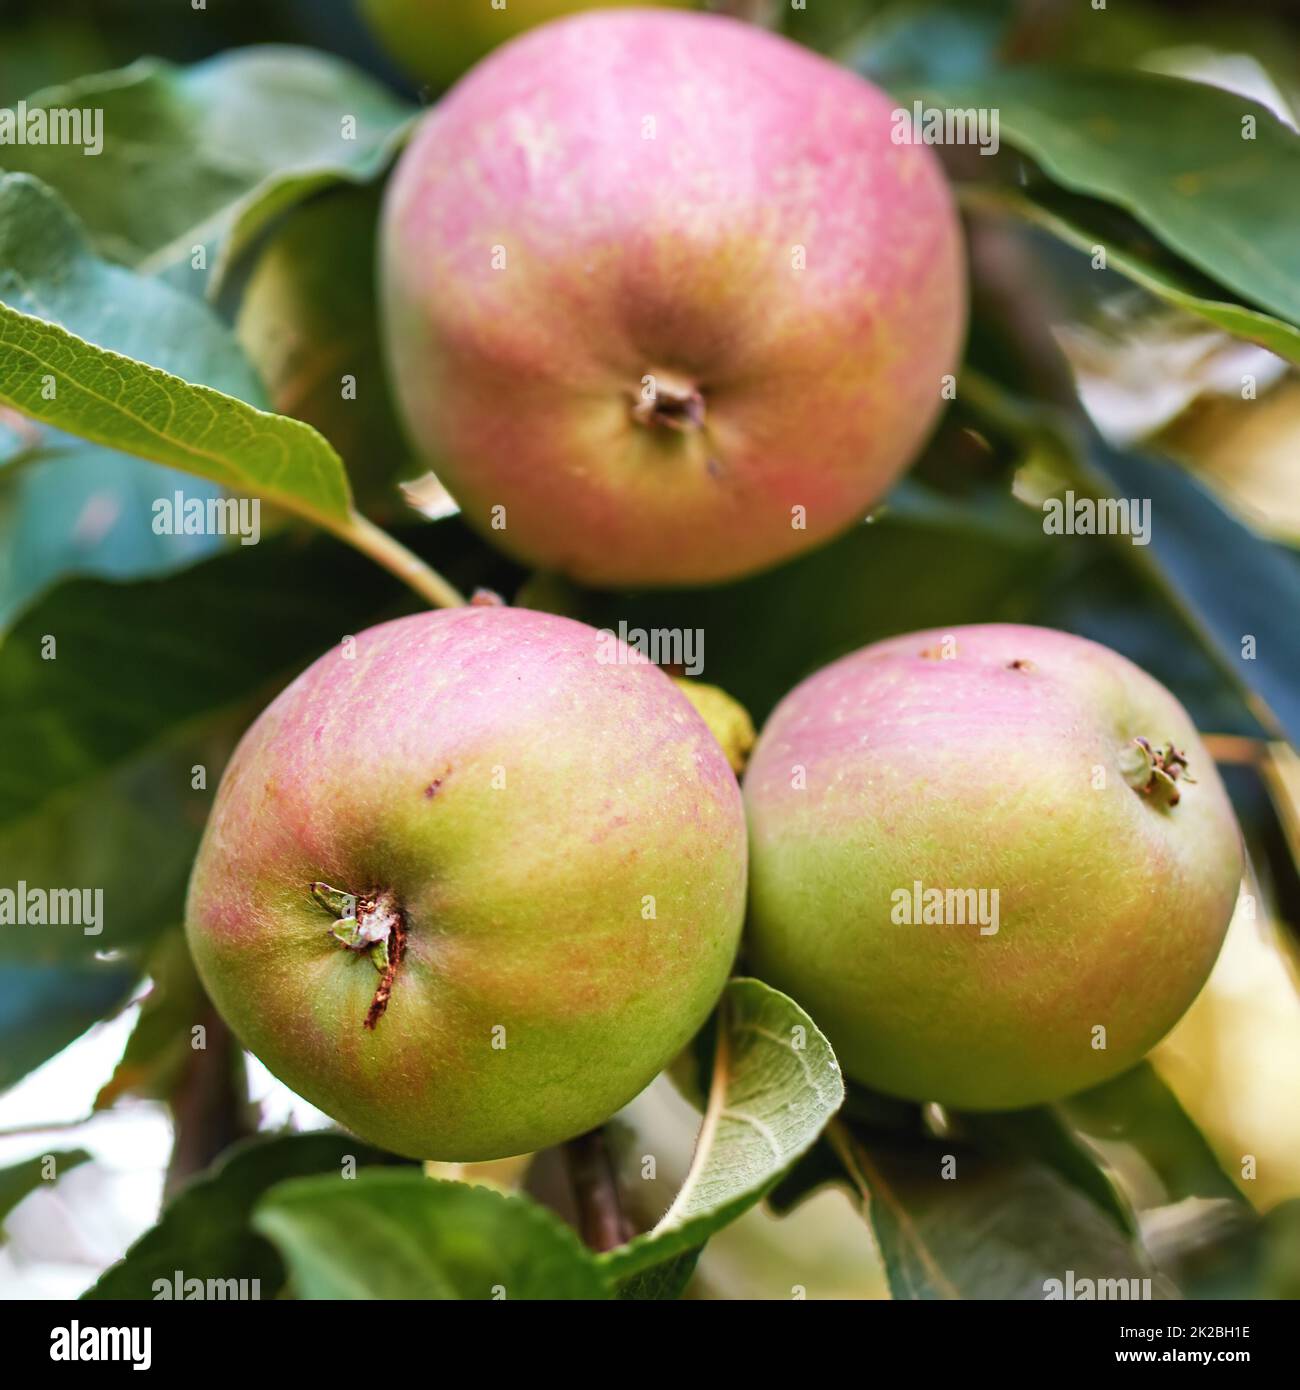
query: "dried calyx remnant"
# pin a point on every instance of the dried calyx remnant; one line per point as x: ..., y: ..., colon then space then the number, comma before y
x: 1156, y: 771
x: 674, y: 405
x: 371, y: 923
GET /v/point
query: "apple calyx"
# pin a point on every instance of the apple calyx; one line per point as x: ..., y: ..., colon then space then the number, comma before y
x: 1155, y: 771
x: 371, y: 923
x: 669, y: 403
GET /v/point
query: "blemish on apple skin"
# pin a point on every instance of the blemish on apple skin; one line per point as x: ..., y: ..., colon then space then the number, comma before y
x: 1020, y: 664
x: 435, y: 786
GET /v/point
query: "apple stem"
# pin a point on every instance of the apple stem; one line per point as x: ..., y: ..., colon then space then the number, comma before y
x: 670, y: 404
x: 362, y: 533
x: 600, y: 1213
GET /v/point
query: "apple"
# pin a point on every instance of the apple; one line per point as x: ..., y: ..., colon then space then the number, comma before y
x: 471, y: 882
x: 436, y: 40
x: 664, y: 302
x: 995, y: 864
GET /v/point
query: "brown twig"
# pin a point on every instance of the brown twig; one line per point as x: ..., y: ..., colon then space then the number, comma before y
x: 601, y: 1221
x: 209, y: 1106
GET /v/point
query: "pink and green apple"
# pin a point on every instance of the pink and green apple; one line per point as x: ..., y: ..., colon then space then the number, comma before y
x: 468, y: 884
x: 664, y: 301
x: 1059, y: 803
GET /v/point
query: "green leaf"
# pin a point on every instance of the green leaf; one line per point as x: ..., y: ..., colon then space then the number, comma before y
x: 181, y: 652
x: 67, y: 506
x: 91, y: 834
x: 399, y: 1235
x: 1122, y: 605
x: 775, y: 1085
x: 45, y: 1007
x: 1200, y: 1229
x: 20, y: 1180
x: 207, y: 155
x: 1280, y: 1259
x: 1139, y: 1111
x: 1044, y: 1135
x: 59, y: 379
x: 663, y: 1282
x: 1085, y: 224
x: 1187, y: 524
x: 1247, y: 624
x: 48, y: 270
x: 206, y: 1231
x: 1171, y: 153
x: 991, y: 1229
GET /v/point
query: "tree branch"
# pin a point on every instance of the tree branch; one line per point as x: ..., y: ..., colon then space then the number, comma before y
x: 595, y: 1191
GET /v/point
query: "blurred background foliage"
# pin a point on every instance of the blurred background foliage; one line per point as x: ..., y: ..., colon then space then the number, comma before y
x: 1127, y: 379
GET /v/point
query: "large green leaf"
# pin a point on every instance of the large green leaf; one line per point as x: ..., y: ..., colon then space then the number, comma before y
x: 1139, y: 1111
x: 1199, y: 1228
x: 399, y: 1235
x: 1085, y: 224
x: 1114, y: 600
x: 1246, y: 625
x: 1042, y: 1134
x: 60, y: 379
x: 45, y: 1007
x: 775, y: 1084
x: 1170, y: 152
x: 205, y: 156
x: 67, y: 506
x: 952, y: 1223
x: 206, y: 1232
x: 132, y: 663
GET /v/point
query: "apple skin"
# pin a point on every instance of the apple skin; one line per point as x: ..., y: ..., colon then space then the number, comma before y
x: 522, y: 904
x: 436, y: 40
x: 973, y: 772
x: 672, y: 258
